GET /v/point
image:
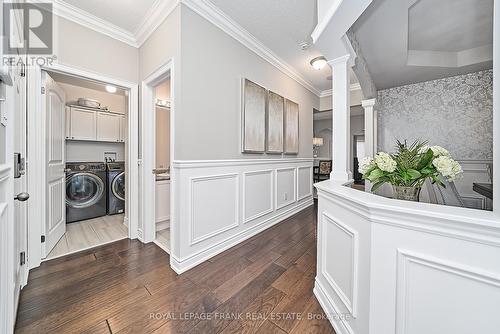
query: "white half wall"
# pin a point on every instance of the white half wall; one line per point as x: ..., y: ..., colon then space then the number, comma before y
x: 224, y: 202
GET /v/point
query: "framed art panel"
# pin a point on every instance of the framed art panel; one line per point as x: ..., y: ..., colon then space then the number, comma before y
x: 254, y: 117
x: 275, y: 111
x: 291, y: 127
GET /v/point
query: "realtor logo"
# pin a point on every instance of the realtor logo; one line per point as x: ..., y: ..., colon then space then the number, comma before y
x: 27, y: 28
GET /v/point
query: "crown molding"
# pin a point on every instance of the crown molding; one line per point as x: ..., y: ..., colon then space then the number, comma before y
x: 154, y: 17
x: 160, y: 10
x: 218, y: 18
x: 329, y: 92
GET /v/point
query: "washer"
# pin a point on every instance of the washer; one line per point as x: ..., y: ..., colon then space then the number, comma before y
x: 85, y: 190
x: 116, y: 187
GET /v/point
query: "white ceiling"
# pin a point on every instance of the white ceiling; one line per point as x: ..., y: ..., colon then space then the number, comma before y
x: 76, y: 81
x: 413, y: 41
x: 281, y: 26
x: 126, y: 14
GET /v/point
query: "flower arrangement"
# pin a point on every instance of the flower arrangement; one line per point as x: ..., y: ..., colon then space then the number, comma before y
x: 409, y: 167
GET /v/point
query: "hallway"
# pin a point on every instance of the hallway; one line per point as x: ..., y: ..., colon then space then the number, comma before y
x: 262, y: 285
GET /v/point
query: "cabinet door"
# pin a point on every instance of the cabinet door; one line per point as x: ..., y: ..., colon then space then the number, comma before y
x: 83, y: 124
x: 123, y: 129
x: 108, y: 127
x: 68, y: 123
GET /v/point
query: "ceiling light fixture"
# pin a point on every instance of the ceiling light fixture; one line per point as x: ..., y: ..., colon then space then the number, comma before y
x: 318, y: 63
x: 110, y: 89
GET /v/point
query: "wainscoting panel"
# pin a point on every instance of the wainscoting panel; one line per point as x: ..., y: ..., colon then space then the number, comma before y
x: 213, y: 212
x: 286, y: 187
x: 304, y: 175
x: 258, y: 194
x: 228, y: 201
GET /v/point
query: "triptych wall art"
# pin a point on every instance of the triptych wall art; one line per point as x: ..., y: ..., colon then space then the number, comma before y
x: 270, y: 121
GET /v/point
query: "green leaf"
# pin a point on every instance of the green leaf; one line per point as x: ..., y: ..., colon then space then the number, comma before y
x: 414, y: 174
x: 375, y: 174
x: 427, y: 170
x: 426, y: 159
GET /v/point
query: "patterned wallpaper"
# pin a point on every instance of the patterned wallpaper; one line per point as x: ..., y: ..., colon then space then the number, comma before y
x: 455, y: 112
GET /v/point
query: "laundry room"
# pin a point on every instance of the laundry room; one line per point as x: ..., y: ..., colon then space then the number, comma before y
x: 95, y: 123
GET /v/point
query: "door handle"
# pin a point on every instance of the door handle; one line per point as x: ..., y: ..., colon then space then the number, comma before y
x: 22, y: 197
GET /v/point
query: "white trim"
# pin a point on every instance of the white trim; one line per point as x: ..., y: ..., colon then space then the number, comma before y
x: 351, y: 305
x: 182, y: 164
x: 158, y: 13
x: 404, y: 258
x: 335, y: 317
x: 192, y: 181
x: 148, y: 190
x: 162, y: 246
x: 35, y: 160
x: 289, y: 202
x: 310, y: 193
x: 329, y: 92
x: 218, y: 18
x: 321, y: 26
x: 182, y: 265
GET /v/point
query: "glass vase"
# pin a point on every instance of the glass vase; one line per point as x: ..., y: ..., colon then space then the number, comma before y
x: 406, y: 193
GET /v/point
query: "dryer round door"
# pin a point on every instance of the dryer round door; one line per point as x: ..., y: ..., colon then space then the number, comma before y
x: 83, y: 190
x: 118, y: 186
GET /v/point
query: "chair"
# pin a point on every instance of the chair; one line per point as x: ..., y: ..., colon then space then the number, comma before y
x: 444, y: 196
x: 322, y: 171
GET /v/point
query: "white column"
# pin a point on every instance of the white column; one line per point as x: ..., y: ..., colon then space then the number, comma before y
x: 370, y: 127
x: 341, y: 121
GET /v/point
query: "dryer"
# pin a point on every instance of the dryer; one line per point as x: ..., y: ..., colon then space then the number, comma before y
x: 85, y: 190
x: 116, y: 187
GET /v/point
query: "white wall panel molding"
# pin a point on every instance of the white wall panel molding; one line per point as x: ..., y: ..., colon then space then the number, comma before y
x: 349, y: 259
x: 475, y: 278
x: 255, y: 191
x: 214, y: 207
x: 286, y: 187
x: 304, y: 186
x: 222, y: 203
x: 329, y: 92
x: 218, y: 18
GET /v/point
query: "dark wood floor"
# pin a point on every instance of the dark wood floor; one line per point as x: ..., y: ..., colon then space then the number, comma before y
x: 263, y: 285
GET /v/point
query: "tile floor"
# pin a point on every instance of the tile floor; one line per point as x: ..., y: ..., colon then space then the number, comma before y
x: 163, y: 239
x: 90, y: 233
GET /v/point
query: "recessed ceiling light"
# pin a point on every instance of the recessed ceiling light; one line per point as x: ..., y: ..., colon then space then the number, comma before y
x: 318, y: 63
x: 110, y: 89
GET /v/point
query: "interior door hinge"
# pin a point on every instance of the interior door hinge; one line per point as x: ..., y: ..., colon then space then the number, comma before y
x: 43, y: 238
x: 22, y: 258
x: 23, y: 70
x: 43, y: 90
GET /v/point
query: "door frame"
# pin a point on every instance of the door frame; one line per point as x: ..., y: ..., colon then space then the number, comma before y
x: 36, y: 153
x: 148, y: 135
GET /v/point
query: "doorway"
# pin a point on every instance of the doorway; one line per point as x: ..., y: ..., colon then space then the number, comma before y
x: 157, y: 133
x: 93, y: 159
x: 88, y: 150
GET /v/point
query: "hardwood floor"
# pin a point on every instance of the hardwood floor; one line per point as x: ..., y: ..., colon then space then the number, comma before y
x: 263, y: 285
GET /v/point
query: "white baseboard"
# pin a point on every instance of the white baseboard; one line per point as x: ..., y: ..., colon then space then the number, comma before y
x: 161, y: 225
x: 339, y: 324
x: 182, y: 265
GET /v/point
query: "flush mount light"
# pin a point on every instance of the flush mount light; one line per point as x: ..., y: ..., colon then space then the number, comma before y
x: 318, y: 63
x: 110, y: 89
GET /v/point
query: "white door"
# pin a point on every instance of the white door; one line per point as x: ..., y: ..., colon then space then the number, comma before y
x: 7, y: 228
x: 54, y: 103
x: 108, y: 127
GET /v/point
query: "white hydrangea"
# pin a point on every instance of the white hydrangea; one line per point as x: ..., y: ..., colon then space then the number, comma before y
x: 423, y: 149
x: 366, y: 164
x: 439, y: 151
x: 385, y: 162
x: 448, y: 167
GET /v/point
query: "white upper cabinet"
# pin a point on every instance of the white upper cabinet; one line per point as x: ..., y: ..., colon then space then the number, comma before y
x: 94, y: 125
x: 108, y: 127
x: 83, y: 124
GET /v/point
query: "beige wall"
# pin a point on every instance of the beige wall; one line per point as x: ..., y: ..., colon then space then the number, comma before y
x: 163, y: 91
x: 114, y: 102
x: 208, y: 122
x: 90, y: 50
x: 162, y: 138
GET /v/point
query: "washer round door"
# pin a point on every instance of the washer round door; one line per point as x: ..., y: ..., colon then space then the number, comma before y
x: 118, y: 186
x: 83, y: 190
